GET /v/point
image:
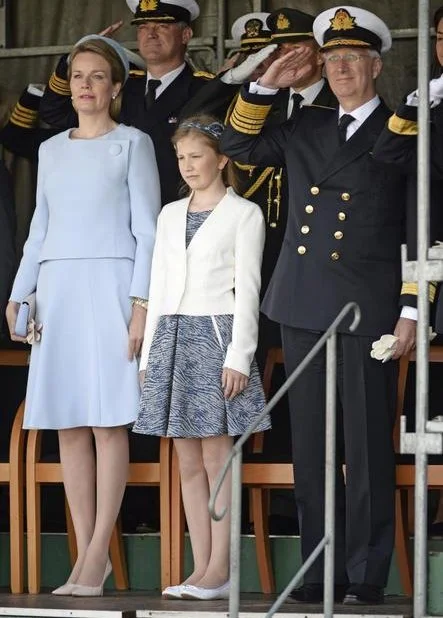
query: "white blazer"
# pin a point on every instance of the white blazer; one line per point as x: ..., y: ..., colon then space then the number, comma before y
x: 219, y: 272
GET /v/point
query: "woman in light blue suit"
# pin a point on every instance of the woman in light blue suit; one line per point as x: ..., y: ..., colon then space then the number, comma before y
x: 88, y: 256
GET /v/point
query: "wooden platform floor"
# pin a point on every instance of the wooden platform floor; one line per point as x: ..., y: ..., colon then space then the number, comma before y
x: 143, y: 605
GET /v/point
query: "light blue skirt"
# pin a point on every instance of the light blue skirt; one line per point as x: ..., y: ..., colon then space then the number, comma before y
x: 79, y: 373
x: 182, y: 396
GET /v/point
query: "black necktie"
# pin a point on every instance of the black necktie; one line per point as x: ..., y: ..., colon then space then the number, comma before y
x: 343, y: 124
x: 296, y: 102
x: 153, y: 84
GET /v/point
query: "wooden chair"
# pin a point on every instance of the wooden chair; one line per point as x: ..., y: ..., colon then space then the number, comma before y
x: 38, y: 473
x: 12, y: 474
x: 405, y: 477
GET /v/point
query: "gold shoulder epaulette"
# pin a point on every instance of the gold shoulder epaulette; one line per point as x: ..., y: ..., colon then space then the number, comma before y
x: 204, y: 74
x: 23, y: 117
x: 401, y: 126
x: 59, y: 85
x: 137, y: 73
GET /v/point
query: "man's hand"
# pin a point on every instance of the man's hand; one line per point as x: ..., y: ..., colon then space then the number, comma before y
x: 287, y: 69
x: 233, y: 382
x: 238, y: 75
x: 136, y: 330
x: 405, y: 330
x: 109, y: 31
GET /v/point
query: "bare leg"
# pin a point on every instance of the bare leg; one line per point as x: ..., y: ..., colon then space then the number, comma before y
x: 78, y: 467
x: 112, y: 473
x: 215, y: 453
x: 195, y: 491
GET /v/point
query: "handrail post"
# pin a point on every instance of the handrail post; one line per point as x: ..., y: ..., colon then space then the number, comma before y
x: 235, y: 556
x: 421, y: 457
x: 330, y: 472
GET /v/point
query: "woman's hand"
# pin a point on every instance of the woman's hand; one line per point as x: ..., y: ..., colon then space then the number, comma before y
x: 233, y: 382
x: 136, y: 330
x: 11, y: 317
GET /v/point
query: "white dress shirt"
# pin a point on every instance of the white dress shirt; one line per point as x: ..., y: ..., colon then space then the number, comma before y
x: 309, y: 94
x: 165, y: 80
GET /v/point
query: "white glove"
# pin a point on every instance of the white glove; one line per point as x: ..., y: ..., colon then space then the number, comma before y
x: 384, y: 348
x: 36, y: 89
x: 435, y: 93
x: 239, y: 74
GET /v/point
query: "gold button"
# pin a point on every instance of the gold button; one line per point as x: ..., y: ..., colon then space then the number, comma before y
x: 301, y: 249
x: 309, y: 209
x: 338, y: 235
x: 335, y: 255
x: 315, y: 190
x: 273, y: 224
x: 305, y: 229
x: 342, y: 216
x: 345, y: 197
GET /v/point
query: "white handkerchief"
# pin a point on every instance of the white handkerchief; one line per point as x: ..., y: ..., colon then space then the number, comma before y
x: 384, y: 348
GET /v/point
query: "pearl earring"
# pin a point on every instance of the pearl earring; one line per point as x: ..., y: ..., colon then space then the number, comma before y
x: 114, y: 95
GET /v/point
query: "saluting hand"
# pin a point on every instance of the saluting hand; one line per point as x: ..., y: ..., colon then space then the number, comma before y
x: 136, y: 330
x: 287, y: 69
x: 233, y: 382
x: 109, y: 31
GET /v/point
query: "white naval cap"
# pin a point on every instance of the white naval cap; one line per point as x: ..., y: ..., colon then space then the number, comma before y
x: 163, y: 11
x: 349, y: 26
x: 250, y: 31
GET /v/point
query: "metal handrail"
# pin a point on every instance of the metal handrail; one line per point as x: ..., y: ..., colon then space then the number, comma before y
x: 234, y: 460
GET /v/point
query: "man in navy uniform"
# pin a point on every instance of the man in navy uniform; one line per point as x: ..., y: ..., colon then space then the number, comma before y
x: 342, y: 243
x: 152, y: 101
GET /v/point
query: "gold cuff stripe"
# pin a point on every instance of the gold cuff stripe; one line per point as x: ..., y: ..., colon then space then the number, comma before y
x: 401, y: 126
x: 23, y: 121
x: 258, y: 183
x: 59, y: 86
x: 245, y: 127
x: 412, y: 289
x: 23, y: 125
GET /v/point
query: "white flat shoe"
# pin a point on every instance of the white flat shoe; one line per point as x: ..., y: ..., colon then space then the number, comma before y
x: 206, y: 594
x: 65, y: 590
x: 173, y: 592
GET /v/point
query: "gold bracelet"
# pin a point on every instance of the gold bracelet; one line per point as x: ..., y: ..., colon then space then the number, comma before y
x: 139, y: 301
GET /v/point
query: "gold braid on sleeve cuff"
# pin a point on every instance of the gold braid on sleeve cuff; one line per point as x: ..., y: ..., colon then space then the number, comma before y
x: 59, y: 85
x: 411, y: 289
x: 401, y: 126
x: 248, y: 118
x: 24, y: 117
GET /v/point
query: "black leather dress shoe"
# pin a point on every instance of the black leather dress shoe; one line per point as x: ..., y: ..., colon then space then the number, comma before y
x: 313, y: 593
x: 364, y: 594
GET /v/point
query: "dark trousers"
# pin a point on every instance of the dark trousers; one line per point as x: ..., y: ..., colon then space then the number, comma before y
x: 365, y: 509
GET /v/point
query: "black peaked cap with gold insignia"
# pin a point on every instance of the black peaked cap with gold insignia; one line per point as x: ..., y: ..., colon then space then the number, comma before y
x: 349, y: 26
x: 290, y: 25
x: 250, y: 32
x: 163, y: 11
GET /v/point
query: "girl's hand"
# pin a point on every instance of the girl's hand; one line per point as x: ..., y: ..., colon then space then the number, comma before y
x: 136, y: 331
x: 141, y: 377
x: 233, y: 382
x: 11, y: 318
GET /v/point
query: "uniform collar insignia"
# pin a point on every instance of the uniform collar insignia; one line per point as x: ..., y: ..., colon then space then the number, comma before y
x: 342, y: 20
x: 282, y: 22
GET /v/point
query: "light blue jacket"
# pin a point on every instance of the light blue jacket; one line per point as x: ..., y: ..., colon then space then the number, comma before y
x: 96, y: 198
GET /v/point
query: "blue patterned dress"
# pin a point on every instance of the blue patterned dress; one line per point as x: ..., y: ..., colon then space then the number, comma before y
x: 182, y: 396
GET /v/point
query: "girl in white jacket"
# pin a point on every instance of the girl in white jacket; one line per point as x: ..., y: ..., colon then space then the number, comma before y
x: 200, y: 382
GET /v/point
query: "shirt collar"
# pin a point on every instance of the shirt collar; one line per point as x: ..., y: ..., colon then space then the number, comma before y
x: 310, y: 93
x: 361, y: 113
x: 165, y: 79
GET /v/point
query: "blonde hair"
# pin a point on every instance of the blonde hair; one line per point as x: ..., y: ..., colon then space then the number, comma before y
x: 118, y: 74
x: 208, y: 128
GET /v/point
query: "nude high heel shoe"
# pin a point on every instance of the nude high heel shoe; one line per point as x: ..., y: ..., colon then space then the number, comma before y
x: 65, y: 590
x: 79, y: 590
